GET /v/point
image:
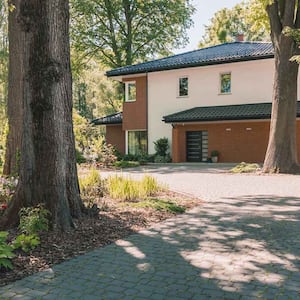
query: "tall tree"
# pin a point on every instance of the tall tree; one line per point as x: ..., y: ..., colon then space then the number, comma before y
x: 122, y: 32
x: 47, y: 168
x: 281, y: 153
x: 227, y: 23
x: 15, y: 90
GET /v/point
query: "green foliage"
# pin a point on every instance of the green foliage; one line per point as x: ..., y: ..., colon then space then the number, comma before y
x: 160, y: 205
x: 7, y: 188
x: 34, y: 219
x: 126, y: 164
x: 26, y: 242
x: 226, y: 24
x: 214, y: 153
x: 121, y: 33
x: 245, y: 168
x: 6, y: 251
x: 161, y: 146
x: 127, y: 189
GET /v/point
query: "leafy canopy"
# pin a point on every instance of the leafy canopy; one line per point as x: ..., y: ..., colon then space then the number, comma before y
x: 122, y: 32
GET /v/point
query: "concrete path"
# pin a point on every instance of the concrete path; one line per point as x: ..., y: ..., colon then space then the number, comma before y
x: 242, y: 243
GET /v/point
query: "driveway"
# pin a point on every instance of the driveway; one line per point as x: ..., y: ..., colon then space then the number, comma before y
x: 243, y: 242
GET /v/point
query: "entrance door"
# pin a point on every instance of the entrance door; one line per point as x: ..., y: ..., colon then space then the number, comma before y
x: 194, y: 146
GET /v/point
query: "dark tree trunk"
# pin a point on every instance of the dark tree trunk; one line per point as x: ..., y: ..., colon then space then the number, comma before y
x: 48, y: 172
x: 281, y: 155
x: 15, y: 92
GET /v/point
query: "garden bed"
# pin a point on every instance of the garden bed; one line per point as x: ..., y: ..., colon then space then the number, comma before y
x: 116, y: 219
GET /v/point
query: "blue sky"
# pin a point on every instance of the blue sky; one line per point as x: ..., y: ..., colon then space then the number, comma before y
x: 205, y: 11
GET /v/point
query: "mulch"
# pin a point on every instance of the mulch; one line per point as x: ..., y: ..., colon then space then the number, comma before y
x: 112, y: 223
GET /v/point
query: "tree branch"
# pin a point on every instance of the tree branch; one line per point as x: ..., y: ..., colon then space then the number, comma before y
x: 276, y: 26
x: 289, y: 13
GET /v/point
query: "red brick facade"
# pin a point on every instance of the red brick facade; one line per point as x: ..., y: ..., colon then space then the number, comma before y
x: 135, y: 113
x: 116, y: 137
x: 236, y: 141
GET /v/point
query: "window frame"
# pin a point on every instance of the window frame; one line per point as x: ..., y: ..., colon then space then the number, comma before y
x: 127, y: 140
x: 221, y: 92
x: 179, y: 85
x: 127, y: 89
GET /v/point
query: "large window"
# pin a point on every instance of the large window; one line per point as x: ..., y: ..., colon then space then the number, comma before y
x: 130, y: 91
x: 183, y: 88
x: 137, y: 142
x: 225, y: 83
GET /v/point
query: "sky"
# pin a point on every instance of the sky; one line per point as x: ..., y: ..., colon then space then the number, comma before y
x: 205, y: 11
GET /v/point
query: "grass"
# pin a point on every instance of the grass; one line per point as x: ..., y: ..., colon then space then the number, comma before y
x: 126, y: 164
x: 160, y: 205
x: 245, y: 168
x: 127, y: 189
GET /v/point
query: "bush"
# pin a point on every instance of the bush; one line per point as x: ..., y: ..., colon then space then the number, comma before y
x: 126, y: 164
x: 80, y: 159
x: 33, y: 220
x: 161, y: 146
x: 160, y: 205
x: 91, y: 186
x: 26, y: 242
x: 245, y: 168
x: 6, y: 251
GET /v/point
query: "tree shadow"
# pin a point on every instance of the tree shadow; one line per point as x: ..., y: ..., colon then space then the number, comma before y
x: 235, y: 248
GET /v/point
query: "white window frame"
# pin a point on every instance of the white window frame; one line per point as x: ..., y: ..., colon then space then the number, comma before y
x: 178, y: 87
x: 127, y: 83
x: 220, y: 83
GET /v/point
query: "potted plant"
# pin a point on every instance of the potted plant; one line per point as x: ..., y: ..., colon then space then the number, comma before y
x: 214, y: 156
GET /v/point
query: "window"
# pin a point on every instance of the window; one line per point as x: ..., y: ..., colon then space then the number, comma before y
x: 130, y: 91
x: 183, y: 90
x: 137, y: 142
x: 225, y: 83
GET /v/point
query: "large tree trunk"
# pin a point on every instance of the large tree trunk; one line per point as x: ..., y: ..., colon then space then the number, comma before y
x: 48, y: 172
x: 281, y: 155
x: 15, y: 92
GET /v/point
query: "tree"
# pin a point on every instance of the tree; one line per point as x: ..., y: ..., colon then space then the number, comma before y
x: 281, y: 155
x: 15, y: 90
x: 123, y: 32
x: 226, y: 24
x: 48, y: 171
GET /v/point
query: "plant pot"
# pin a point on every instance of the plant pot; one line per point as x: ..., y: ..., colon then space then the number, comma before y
x: 214, y: 159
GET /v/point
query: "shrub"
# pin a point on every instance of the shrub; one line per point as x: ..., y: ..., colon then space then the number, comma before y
x: 91, y: 186
x: 7, y: 188
x: 6, y: 251
x: 160, y: 205
x: 126, y: 164
x: 80, y: 159
x: 33, y: 220
x: 245, y: 168
x: 150, y: 185
x: 26, y: 242
x: 161, y: 146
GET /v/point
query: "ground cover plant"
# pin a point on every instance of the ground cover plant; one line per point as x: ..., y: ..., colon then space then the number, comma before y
x: 245, y: 168
x: 116, y: 216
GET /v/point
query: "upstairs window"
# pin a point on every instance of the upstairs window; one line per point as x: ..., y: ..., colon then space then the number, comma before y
x: 130, y: 91
x: 225, y: 83
x: 183, y: 89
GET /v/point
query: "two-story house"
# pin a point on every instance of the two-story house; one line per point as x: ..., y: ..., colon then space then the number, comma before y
x: 216, y: 98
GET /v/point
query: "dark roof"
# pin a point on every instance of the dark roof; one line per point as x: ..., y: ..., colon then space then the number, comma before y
x: 112, y: 119
x: 221, y: 113
x: 224, y: 53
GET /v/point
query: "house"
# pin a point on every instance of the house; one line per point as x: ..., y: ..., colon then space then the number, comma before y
x: 216, y: 98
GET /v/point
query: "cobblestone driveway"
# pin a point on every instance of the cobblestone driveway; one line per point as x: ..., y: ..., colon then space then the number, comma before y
x: 242, y: 243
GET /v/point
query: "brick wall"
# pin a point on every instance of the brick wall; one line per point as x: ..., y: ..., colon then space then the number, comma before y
x: 135, y: 113
x: 236, y: 141
x: 116, y: 137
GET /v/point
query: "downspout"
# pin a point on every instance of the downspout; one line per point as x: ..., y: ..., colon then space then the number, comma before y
x: 147, y: 119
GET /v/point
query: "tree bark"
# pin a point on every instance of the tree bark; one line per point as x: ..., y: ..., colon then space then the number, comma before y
x: 281, y: 155
x: 48, y: 172
x: 15, y: 92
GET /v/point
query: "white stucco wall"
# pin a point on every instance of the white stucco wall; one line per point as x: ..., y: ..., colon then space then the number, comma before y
x: 251, y: 82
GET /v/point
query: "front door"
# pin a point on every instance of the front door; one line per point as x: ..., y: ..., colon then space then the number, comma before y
x: 194, y: 146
